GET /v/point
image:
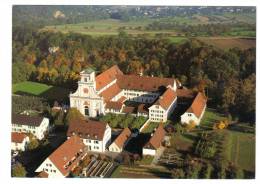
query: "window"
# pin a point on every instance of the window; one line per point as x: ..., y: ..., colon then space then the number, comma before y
x: 96, y: 142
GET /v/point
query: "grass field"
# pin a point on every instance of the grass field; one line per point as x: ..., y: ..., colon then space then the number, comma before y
x: 210, y: 117
x: 229, y: 42
x: 40, y: 90
x: 242, y: 150
x: 177, y: 39
x: 150, y: 127
x: 106, y: 27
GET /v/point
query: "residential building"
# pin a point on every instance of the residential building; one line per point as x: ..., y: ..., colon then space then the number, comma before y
x: 121, y: 141
x: 109, y: 90
x: 155, y: 142
x: 64, y: 159
x: 96, y: 135
x: 35, y: 125
x: 196, y: 111
x: 19, y: 141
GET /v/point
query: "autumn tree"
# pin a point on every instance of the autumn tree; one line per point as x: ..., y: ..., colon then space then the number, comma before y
x: 73, y: 114
x: 18, y: 171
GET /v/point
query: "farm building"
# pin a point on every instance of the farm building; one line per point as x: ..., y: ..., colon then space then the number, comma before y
x: 155, y: 142
x: 196, y: 111
x: 120, y: 142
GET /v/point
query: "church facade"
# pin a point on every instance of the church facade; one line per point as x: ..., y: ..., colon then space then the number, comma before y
x: 110, y: 91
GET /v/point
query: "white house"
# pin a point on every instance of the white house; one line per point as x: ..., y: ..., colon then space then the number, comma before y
x: 95, y: 135
x: 121, y: 141
x: 38, y: 126
x: 163, y: 107
x: 196, y: 111
x: 155, y: 142
x: 64, y: 159
x: 104, y: 93
x: 19, y: 141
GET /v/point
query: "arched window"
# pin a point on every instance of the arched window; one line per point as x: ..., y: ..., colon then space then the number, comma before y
x: 86, y: 111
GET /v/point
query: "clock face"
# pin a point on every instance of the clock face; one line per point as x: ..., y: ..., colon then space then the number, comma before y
x: 85, y: 90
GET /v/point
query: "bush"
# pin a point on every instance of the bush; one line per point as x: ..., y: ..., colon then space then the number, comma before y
x: 18, y: 171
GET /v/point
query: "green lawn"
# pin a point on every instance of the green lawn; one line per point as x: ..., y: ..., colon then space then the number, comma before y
x: 210, y: 117
x: 150, y: 127
x: 146, y: 160
x: 242, y: 151
x: 40, y: 90
x: 177, y: 39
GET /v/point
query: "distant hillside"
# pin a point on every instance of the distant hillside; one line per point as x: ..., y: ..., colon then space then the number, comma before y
x: 42, y: 15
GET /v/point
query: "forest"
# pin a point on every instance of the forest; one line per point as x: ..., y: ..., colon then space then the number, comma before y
x: 227, y: 77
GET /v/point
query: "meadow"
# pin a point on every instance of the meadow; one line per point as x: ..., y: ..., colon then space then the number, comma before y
x: 41, y: 90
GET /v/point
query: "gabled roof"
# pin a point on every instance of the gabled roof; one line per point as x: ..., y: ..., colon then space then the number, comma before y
x: 157, y: 138
x: 42, y: 174
x: 129, y: 109
x: 87, y: 129
x: 22, y: 119
x: 143, y: 83
x: 184, y: 92
x: 123, y: 137
x: 65, y: 154
x: 18, y: 137
x: 198, y: 105
x: 166, y: 99
x: 114, y: 105
x: 107, y: 76
x: 142, y: 108
x: 110, y: 92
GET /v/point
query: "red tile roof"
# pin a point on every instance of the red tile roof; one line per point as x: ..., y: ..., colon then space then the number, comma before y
x: 42, y: 174
x: 114, y: 105
x: 66, y: 152
x: 129, y: 109
x: 184, y: 92
x: 107, y: 76
x: 22, y: 119
x: 110, y: 92
x: 143, y: 83
x: 87, y: 129
x: 123, y: 137
x: 157, y: 138
x: 122, y: 99
x: 18, y: 137
x: 198, y: 105
x: 166, y: 99
x: 142, y: 108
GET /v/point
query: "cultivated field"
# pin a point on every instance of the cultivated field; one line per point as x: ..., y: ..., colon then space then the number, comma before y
x: 229, y: 42
x: 107, y: 27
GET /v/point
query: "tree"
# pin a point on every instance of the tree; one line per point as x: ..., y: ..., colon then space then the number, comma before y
x: 34, y: 143
x: 235, y: 172
x: 135, y: 67
x: 18, y: 171
x: 207, y: 171
x: 178, y: 173
x: 73, y: 114
x: 59, y: 118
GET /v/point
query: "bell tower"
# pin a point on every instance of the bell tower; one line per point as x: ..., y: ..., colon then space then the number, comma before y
x: 87, y: 83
